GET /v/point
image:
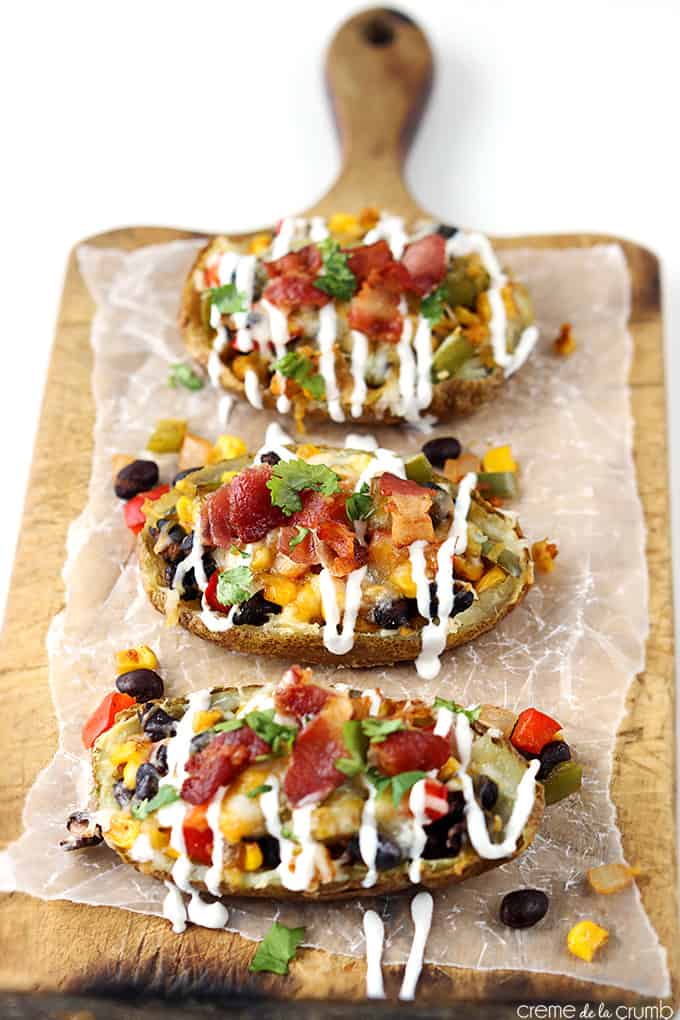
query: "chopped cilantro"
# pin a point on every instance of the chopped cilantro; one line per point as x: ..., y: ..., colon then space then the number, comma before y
x: 431, y: 307
x: 300, y: 537
x: 277, y: 949
x: 228, y: 299
x: 182, y: 374
x: 299, y: 368
x: 336, y: 279
x: 291, y: 477
x: 280, y: 738
x: 262, y: 788
x: 356, y: 742
x: 233, y: 586
x: 166, y: 795
x: 400, y: 783
x: 453, y: 706
x: 378, y: 729
x: 359, y: 506
x: 229, y: 725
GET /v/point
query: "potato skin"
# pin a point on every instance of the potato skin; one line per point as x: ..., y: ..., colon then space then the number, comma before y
x: 465, y: 865
x: 449, y: 398
x: 368, y: 649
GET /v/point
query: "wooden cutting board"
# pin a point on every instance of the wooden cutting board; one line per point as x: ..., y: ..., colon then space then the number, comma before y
x: 379, y: 69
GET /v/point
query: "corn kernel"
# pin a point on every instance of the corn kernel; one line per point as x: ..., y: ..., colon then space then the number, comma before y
x: 307, y: 450
x: 206, y: 720
x: 544, y: 554
x: 279, y: 589
x: 229, y: 447
x: 259, y: 243
x: 123, y: 830
x: 403, y: 579
x: 491, y: 579
x: 345, y: 224
x: 140, y: 657
x: 499, y: 458
x: 171, y: 852
x: 469, y: 569
x: 168, y: 436
x: 448, y: 769
x: 261, y: 558
x: 130, y: 773
x: 122, y: 754
x: 227, y: 476
x: 185, y: 508
x: 585, y: 938
x: 252, y: 857
x: 159, y: 838
x: 308, y: 603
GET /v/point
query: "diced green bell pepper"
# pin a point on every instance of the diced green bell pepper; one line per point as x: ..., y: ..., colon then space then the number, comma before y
x: 564, y: 780
x: 450, y: 356
x: 502, y: 484
x: 418, y: 469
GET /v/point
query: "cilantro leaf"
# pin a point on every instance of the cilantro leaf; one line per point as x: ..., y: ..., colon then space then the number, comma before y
x: 277, y: 949
x: 228, y: 299
x: 228, y: 726
x: 182, y: 374
x: 356, y: 742
x: 279, y: 737
x: 233, y: 586
x: 403, y: 782
x: 431, y: 307
x: 473, y: 713
x: 263, y: 788
x: 378, y: 730
x: 377, y: 779
x: 166, y: 795
x: 336, y: 279
x: 294, y: 476
x: 359, y: 506
x: 299, y: 368
x: 300, y: 537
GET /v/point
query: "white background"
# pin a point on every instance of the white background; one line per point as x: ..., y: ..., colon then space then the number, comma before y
x: 544, y: 117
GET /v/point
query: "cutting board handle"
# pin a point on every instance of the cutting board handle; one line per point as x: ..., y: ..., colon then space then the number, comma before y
x: 379, y: 71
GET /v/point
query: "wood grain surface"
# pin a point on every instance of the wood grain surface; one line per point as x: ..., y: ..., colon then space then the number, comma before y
x: 64, y: 948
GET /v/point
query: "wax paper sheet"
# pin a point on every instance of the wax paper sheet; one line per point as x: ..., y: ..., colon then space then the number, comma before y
x: 572, y: 648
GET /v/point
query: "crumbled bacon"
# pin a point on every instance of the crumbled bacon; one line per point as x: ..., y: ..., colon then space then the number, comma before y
x: 342, y: 539
x: 375, y: 309
x: 408, y: 504
x: 297, y: 696
x: 306, y: 262
x: 317, y: 508
x: 220, y: 762
x: 293, y: 291
x: 312, y: 774
x: 365, y: 258
x: 391, y: 485
x: 303, y: 551
x: 243, y: 508
x: 425, y: 261
x: 411, y: 750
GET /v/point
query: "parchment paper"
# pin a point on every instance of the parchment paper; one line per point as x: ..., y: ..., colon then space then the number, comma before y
x: 572, y: 648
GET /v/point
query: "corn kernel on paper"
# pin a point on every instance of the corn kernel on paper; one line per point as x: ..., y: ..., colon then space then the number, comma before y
x: 571, y: 649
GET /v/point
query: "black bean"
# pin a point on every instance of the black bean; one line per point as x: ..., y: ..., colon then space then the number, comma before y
x: 186, y: 544
x: 121, y: 793
x: 462, y: 600
x: 444, y: 839
x: 271, y: 857
x: 169, y: 572
x: 552, y: 754
x: 209, y: 564
x: 201, y: 740
x: 255, y: 611
x: 83, y: 832
x: 182, y: 474
x: 159, y: 759
x: 156, y: 723
x: 146, y: 782
x: 190, y: 590
x: 388, y: 855
x: 392, y: 615
x: 488, y: 793
x: 438, y: 451
x: 270, y: 458
x: 140, y: 684
x: 523, y: 908
x: 445, y: 231
x: 139, y: 476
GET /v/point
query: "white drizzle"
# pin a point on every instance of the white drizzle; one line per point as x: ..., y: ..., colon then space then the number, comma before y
x: 525, y: 346
x: 224, y: 407
x: 326, y: 335
x: 275, y: 441
x: 444, y: 722
x: 374, y: 930
x: 284, y: 238
x: 359, y: 359
x: 244, y: 280
x: 213, y: 876
x: 356, y: 441
x: 141, y: 850
x: 421, y: 913
x: 174, y: 909
x: 474, y: 816
x: 434, y: 634
x: 384, y: 461
x: 368, y: 837
x: 417, y: 802
x: 340, y: 643
x: 208, y: 915
x: 251, y: 384
x: 299, y: 861
x: 423, y: 347
x: 318, y: 231
x: 278, y: 331
x: 391, y: 229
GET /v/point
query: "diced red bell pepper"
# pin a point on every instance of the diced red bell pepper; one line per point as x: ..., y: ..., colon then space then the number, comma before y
x: 436, y: 799
x: 533, y: 730
x: 132, y: 511
x: 104, y: 716
x: 198, y: 837
x: 211, y: 594
x: 411, y: 751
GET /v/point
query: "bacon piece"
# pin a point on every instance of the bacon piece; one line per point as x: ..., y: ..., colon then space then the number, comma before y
x: 211, y: 275
x: 425, y: 261
x: 297, y: 696
x: 375, y: 309
x: 220, y: 762
x: 293, y: 291
x: 312, y: 775
x: 317, y: 508
x: 305, y: 262
x: 243, y: 508
x: 367, y: 257
x: 408, y: 504
x: 342, y: 539
x: 303, y: 552
x: 411, y: 750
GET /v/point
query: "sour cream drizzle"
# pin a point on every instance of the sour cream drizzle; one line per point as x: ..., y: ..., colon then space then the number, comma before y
x: 328, y: 324
x: 434, y: 634
x: 340, y: 643
x: 276, y: 441
x: 421, y: 913
x: 417, y: 803
x: 359, y: 359
x: 391, y: 229
x: 278, y: 328
x: 474, y: 816
x: 299, y: 861
x: 174, y: 909
x: 213, y: 875
x: 374, y: 930
x: 368, y: 837
x: 208, y: 915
